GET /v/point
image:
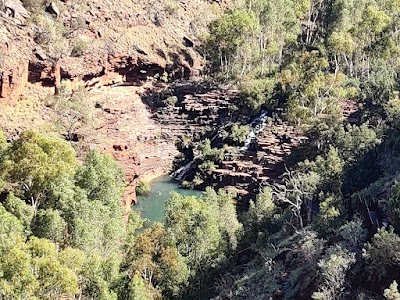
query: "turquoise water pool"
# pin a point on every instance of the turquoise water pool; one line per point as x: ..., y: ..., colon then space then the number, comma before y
x: 152, y: 206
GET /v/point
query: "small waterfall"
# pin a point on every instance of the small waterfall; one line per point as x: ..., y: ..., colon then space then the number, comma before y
x: 257, y: 126
x: 181, y: 172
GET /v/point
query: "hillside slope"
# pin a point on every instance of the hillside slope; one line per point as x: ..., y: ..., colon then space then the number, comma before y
x: 45, y: 46
x: 98, y: 42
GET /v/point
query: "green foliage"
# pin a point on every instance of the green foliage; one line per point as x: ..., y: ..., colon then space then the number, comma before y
x: 298, y: 191
x: 354, y: 234
x: 329, y: 210
x: 187, y: 184
x: 3, y: 148
x: 329, y: 167
x: 171, y: 101
x: 17, y: 279
x: 257, y: 92
x: 312, y: 91
x: 250, y: 38
x: 34, y: 270
x: 51, y: 197
x: 3, y: 143
x: 143, y: 188
x: 97, y: 228
x: 37, y: 163
x: 394, y: 205
x: 99, y: 275
x: 135, y: 222
x: 20, y: 209
x: 247, y: 45
x: 382, y: 256
x: 199, y: 226
x: 102, y: 179
x: 229, y: 225
x: 310, y: 58
x: 354, y: 141
x: 351, y: 143
x: 74, y: 110
x: 334, y: 266
x: 380, y: 87
x: 154, y: 257
x: 197, y: 181
x: 138, y: 290
x: 34, y: 5
x: 228, y: 34
x: 49, y: 33
x: 54, y: 278
x: 79, y: 48
x: 261, y: 211
x: 73, y: 258
x: 11, y: 229
x: 194, y: 225
x: 392, y: 108
x: 239, y: 134
x: 305, y: 251
x: 206, y: 152
x: 207, y: 167
x: 50, y: 225
x: 318, y: 61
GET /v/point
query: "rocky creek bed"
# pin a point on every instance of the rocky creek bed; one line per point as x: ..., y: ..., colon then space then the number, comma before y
x: 200, y: 111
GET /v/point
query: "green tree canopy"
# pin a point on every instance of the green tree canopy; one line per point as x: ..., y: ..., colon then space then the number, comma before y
x: 101, y: 178
x: 36, y: 163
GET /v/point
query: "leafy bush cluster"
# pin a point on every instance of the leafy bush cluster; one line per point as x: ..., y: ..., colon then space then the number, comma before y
x: 73, y: 109
x: 143, y: 188
x: 63, y: 234
x: 307, y: 55
x: 314, y: 59
x: 62, y: 220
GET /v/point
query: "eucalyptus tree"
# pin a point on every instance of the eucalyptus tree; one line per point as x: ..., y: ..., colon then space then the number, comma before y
x: 35, y: 164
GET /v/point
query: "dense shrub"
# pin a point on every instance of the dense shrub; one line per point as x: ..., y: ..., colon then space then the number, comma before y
x: 79, y: 47
x: 143, y: 188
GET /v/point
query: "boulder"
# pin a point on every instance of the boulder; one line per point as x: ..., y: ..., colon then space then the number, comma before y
x: 39, y: 53
x: 16, y: 10
x: 188, y: 42
x: 53, y: 9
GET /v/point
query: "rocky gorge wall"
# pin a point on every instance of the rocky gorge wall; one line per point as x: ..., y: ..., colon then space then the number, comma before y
x: 99, y: 42
x: 13, y: 81
x: 100, y: 45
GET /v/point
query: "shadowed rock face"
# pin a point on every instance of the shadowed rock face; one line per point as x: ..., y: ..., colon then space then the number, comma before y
x: 112, y: 70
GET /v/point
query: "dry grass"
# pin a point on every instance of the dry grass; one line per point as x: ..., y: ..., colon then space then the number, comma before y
x: 133, y: 28
x: 124, y: 27
x: 30, y: 112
